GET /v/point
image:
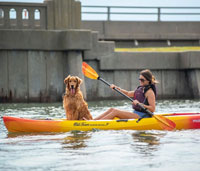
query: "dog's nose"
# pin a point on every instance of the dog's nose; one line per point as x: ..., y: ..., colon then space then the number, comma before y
x: 72, y: 86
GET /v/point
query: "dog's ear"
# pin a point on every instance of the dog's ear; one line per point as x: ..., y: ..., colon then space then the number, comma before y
x: 66, y: 80
x: 79, y: 80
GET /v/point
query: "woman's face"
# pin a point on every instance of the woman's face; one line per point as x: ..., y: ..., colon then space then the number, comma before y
x: 143, y: 81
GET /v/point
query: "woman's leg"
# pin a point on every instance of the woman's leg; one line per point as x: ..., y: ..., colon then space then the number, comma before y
x: 104, y: 114
x: 117, y: 113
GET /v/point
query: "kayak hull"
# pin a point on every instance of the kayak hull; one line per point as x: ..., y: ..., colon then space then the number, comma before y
x: 182, y: 121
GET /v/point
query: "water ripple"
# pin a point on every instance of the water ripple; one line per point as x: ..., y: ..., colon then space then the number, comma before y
x: 99, y: 150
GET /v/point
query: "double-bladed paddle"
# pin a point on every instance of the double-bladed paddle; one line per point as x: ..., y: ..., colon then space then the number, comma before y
x: 164, y: 122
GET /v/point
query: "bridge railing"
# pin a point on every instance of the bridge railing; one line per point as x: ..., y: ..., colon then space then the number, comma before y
x: 50, y: 15
x: 150, y: 13
x: 23, y: 16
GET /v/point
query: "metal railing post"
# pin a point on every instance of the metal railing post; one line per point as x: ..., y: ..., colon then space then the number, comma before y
x: 158, y: 14
x: 108, y: 13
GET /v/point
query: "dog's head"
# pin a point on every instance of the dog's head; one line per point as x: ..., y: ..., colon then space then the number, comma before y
x: 72, y: 84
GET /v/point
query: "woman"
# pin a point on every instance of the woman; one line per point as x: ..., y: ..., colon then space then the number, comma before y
x: 145, y: 94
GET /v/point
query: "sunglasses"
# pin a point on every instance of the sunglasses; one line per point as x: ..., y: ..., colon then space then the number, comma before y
x: 142, y: 80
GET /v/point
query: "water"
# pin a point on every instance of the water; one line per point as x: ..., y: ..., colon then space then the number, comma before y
x: 99, y: 150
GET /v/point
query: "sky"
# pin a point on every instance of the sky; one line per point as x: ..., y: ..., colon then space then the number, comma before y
x: 186, y: 3
x: 146, y: 3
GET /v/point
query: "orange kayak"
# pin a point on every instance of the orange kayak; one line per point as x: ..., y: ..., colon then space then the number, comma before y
x: 16, y: 124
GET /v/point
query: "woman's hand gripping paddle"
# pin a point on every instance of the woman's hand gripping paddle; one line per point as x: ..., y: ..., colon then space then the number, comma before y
x: 164, y: 122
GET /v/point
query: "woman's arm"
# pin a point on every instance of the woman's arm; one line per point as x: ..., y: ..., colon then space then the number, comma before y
x: 151, y: 99
x: 128, y: 93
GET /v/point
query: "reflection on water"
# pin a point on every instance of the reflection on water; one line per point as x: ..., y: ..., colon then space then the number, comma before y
x: 99, y: 150
x: 147, y: 142
x: 76, y: 140
x: 147, y: 137
x: 22, y: 134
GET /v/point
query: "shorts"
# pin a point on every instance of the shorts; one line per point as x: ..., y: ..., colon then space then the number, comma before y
x: 141, y: 114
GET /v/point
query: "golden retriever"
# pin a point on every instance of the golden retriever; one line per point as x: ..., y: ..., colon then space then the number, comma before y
x: 75, y: 106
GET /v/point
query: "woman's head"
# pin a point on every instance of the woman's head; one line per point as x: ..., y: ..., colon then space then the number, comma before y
x: 146, y: 77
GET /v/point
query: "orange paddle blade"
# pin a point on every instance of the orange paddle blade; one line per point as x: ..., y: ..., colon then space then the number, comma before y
x: 88, y: 71
x: 165, y: 123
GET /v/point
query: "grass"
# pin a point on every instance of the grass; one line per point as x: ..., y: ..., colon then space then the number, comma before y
x: 159, y: 49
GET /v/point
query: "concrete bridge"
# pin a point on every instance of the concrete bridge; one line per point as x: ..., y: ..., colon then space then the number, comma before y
x: 40, y: 44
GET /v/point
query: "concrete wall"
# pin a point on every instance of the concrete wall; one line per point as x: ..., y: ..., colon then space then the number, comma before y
x: 35, y: 71
x: 152, y: 60
x: 36, y: 76
x: 177, y: 72
x: 146, y: 34
x: 37, y: 53
x: 173, y: 83
x: 126, y: 30
x: 173, y: 70
x: 34, y: 63
x: 45, y: 39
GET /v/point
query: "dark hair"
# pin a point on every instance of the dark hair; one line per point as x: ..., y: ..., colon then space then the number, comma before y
x: 149, y: 76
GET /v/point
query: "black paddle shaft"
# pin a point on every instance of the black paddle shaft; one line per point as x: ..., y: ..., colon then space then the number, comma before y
x: 101, y: 79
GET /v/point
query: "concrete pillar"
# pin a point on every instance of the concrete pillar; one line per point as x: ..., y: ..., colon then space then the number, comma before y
x: 19, y: 23
x: 31, y: 18
x: 50, y: 14
x: 78, y: 15
x: 6, y: 18
x: 194, y: 82
x: 3, y: 76
x: 69, y: 14
x: 54, y: 77
x: 37, y: 76
x: 74, y: 65
x: 18, y: 74
x: 63, y: 14
x: 60, y: 15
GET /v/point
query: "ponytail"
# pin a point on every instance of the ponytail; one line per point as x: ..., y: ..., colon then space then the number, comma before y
x: 153, y: 80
